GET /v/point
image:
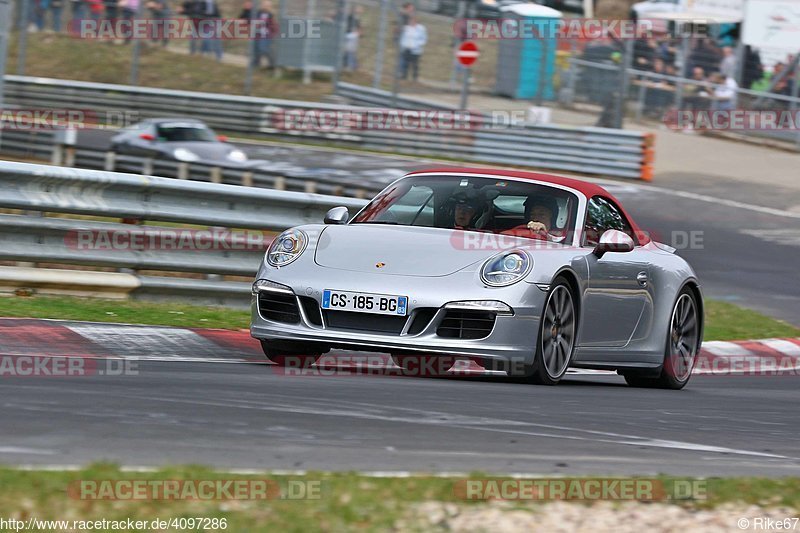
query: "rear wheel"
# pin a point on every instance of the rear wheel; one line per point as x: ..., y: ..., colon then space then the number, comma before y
x: 682, y: 347
x: 557, y: 336
x: 288, y: 354
x: 424, y: 365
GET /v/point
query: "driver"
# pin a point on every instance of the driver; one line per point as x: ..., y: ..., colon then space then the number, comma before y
x: 466, y: 208
x: 541, y: 215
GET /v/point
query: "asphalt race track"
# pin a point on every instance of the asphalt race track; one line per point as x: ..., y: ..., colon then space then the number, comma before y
x: 248, y: 416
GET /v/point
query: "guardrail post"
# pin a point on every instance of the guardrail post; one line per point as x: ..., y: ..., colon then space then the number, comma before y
x: 183, y: 171
x: 147, y: 167
x: 311, y: 186
x: 360, y: 193
x: 247, y: 179
x: 648, y: 156
x: 64, y: 147
x: 110, y: 161
x: 215, y: 175
x: 280, y: 183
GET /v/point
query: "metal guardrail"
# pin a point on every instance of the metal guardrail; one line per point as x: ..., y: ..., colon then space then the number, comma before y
x: 45, y: 145
x: 598, y: 151
x: 46, y: 234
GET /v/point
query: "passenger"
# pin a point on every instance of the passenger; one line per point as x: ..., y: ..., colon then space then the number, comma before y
x: 541, y: 213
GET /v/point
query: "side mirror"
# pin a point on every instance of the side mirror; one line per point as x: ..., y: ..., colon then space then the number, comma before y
x: 147, y: 137
x: 337, y: 215
x: 613, y: 240
x: 222, y: 138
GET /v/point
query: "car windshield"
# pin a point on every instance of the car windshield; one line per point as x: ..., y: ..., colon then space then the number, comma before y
x: 184, y: 132
x: 493, y: 205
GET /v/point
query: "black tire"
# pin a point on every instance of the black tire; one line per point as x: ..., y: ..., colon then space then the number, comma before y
x: 424, y: 365
x: 287, y: 355
x: 558, y: 334
x: 682, y: 346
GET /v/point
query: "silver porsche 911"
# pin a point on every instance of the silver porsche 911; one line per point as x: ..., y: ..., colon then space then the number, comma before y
x: 522, y: 272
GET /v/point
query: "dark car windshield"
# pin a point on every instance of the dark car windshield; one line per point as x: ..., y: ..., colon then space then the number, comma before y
x: 475, y: 204
x: 184, y: 133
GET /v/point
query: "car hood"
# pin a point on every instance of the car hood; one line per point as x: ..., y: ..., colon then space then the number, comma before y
x: 206, y: 151
x: 406, y: 251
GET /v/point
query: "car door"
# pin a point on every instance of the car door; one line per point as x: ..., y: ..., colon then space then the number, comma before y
x: 618, y: 294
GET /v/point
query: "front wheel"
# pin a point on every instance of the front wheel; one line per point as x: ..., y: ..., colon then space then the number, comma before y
x: 557, y: 335
x: 682, y: 346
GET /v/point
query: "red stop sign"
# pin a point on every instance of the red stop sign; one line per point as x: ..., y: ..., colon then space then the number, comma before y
x: 467, y: 53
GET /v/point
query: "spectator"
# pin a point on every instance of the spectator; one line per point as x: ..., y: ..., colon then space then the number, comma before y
x: 209, y: 10
x: 96, y: 9
x: 407, y: 11
x: 265, y: 31
x: 696, y: 94
x: 56, y: 10
x: 753, y: 69
x: 130, y: 9
x: 727, y: 67
x: 191, y: 9
x: 112, y: 12
x: 36, y: 13
x: 724, y: 92
x: 412, y: 44
x: 644, y: 53
x: 351, y: 38
x: 77, y: 9
x: 704, y: 56
x: 159, y: 11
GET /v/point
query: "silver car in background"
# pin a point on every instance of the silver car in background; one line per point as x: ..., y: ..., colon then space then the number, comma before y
x: 523, y: 272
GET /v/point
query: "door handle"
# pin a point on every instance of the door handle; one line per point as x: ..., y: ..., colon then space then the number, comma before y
x: 642, y: 278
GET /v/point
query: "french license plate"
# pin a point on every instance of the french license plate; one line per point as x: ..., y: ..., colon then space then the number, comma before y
x: 362, y: 302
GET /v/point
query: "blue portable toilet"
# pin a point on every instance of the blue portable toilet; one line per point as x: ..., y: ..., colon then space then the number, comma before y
x: 526, y: 66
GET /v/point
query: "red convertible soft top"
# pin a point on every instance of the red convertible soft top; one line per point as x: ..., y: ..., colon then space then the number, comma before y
x: 588, y: 189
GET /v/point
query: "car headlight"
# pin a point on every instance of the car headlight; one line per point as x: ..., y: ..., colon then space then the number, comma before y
x: 287, y: 247
x: 506, y: 268
x: 182, y: 154
x: 238, y: 156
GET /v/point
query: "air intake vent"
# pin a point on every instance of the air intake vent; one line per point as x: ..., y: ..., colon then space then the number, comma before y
x: 367, y: 322
x: 279, y: 307
x: 462, y: 324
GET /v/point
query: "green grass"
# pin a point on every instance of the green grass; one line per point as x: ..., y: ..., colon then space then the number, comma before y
x: 724, y: 321
x: 59, y: 56
x: 122, y: 311
x: 346, y: 501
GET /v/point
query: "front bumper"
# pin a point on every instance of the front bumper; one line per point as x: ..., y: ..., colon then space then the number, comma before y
x: 512, y: 338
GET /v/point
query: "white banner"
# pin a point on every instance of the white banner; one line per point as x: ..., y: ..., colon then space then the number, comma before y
x: 733, y: 9
x: 772, y: 24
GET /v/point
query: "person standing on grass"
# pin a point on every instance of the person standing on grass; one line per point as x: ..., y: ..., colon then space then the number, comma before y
x: 210, y: 42
x: 263, y: 33
x: 351, y: 39
x: 191, y: 10
x: 412, y: 44
x: 159, y: 11
x: 130, y: 8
